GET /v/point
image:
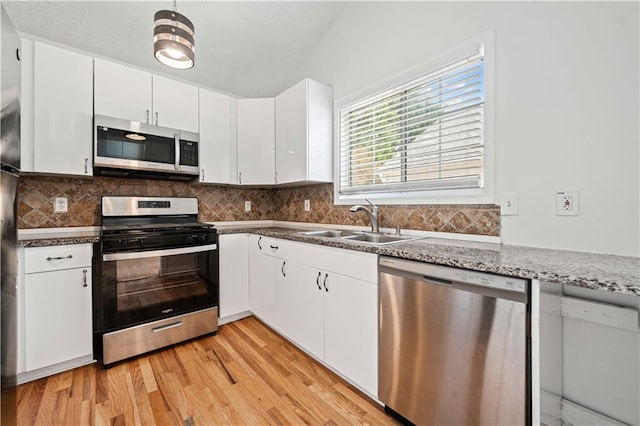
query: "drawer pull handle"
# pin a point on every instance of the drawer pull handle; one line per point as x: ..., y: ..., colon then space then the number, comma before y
x: 284, y: 273
x: 49, y: 259
x: 84, y: 278
x: 318, y: 281
x: 325, y: 282
x: 166, y: 327
x: 273, y: 247
x: 260, y: 245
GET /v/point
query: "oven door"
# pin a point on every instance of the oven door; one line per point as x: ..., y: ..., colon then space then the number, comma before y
x: 138, y: 287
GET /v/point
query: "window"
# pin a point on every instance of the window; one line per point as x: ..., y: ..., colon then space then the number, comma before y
x: 425, y: 135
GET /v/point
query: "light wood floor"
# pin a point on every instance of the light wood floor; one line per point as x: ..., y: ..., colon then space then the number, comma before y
x: 247, y: 374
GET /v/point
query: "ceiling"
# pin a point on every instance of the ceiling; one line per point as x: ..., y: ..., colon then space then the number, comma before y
x: 249, y: 49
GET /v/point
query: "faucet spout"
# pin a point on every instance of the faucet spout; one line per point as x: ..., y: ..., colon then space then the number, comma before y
x: 372, y: 214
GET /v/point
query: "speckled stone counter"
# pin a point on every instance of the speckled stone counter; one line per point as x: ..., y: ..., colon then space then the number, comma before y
x: 46, y: 242
x: 617, y: 274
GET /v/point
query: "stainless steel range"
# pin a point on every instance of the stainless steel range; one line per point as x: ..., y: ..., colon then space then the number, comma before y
x: 156, y: 276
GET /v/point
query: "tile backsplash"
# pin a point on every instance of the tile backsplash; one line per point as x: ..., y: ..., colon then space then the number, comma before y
x: 225, y: 203
x: 216, y: 203
x: 464, y: 219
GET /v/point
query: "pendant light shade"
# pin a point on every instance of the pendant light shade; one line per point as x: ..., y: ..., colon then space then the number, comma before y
x: 173, y: 39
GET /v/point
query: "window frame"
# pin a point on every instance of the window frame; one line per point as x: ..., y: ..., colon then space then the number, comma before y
x: 483, y: 195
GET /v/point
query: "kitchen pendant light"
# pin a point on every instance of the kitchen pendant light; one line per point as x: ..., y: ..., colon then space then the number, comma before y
x: 173, y: 39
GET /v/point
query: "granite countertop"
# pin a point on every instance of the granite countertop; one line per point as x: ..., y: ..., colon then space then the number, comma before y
x: 616, y: 274
x: 46, y: 242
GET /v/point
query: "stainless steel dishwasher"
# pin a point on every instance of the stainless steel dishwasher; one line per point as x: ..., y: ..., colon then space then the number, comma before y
x: 454, y: 345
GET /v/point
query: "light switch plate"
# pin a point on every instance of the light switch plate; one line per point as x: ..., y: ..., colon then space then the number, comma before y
x: 509, y: 204
x: 307, y: 205
x: 247, y: 206
x: 60, y: 205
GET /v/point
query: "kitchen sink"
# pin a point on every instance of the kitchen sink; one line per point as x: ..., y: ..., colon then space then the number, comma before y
x: 363, y: 237
x: 379, y: 238
x: 333, y: 233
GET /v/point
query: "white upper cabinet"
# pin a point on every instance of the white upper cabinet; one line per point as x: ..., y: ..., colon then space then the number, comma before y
x: 58, y: 111
x: 256, y: 141
x: 122, y: 92
x: 304, y: 133
x: 217, y: 137
x: 175, y: 104
x: 133, y: 94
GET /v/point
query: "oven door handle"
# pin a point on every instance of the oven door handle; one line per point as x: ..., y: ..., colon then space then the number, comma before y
x: 156, y: 253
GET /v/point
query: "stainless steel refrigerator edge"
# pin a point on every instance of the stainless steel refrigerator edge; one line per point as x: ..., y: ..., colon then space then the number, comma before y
x: 10, y: 165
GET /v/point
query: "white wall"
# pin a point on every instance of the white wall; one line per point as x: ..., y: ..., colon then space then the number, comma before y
x: 566, y: 102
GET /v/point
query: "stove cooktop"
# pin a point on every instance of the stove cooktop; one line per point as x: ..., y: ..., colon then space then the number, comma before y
x: 153, y: 227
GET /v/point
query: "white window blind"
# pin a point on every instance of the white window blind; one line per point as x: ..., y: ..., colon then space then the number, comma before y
x: 427, y: 134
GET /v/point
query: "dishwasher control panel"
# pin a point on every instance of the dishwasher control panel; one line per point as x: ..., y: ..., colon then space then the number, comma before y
x: 489, y: 280
x: 452, y: 274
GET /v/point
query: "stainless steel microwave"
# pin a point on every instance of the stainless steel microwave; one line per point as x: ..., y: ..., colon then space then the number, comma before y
x: 131, y: 149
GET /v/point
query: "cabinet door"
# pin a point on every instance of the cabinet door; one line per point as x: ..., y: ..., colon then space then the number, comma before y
x: 57, y: 317
x: 234, y: 274
x: 291, y: 134
x: 256, y: 141
x: 261, y: 281
x: 351, y: 329
x: 63, y: 111
x: 122, y: 91
x: 216, y: 137
x: 304, y: 307
x: 175, y: 104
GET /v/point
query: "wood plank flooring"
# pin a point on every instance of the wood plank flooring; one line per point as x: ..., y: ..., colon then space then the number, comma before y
x: 245, y: 375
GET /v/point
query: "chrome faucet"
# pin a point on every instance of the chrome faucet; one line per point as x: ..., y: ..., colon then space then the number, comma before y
x: 373, y: 214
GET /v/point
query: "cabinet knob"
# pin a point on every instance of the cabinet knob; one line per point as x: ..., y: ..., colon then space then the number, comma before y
x: 84, y: 278
x: 324, y: 283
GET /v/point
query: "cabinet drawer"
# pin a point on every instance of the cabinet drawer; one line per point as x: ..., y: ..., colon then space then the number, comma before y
x: 277, y: 247
x: 56, y: 258
x: 350, y: 263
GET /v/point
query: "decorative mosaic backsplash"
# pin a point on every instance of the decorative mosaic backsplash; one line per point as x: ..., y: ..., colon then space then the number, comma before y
x: 464, y: 219
x: 223, y: 203
x: 216, y: 203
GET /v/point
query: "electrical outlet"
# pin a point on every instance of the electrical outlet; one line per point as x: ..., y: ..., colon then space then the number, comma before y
x: 60, y: 205
x: 509, y: 204
x: 247, y: 206
x: 567, y: 203
x: 307, y: 205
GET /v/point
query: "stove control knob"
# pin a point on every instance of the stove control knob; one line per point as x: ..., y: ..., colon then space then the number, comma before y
x: 203, y: 238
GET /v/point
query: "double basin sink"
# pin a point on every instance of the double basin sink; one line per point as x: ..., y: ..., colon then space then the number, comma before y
x: 364, y: 237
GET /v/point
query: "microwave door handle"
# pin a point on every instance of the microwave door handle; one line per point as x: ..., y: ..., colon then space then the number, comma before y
x: 177, y: 140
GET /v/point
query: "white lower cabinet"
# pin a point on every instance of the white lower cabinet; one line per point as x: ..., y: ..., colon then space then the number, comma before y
x: 351, y: 329
x: 234, y: 274
x: 312, y: 297
x: 56, y: 308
